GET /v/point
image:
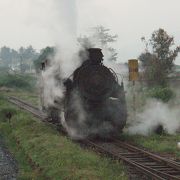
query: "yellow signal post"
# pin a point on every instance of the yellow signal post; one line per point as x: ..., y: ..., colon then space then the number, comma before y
x: 133, y: 70
x: 133, y: 76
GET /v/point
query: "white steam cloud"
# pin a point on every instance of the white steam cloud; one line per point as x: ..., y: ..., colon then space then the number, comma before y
x: 66, y: 37
x: 66, y: 60
x: 64, y: 63
x: 155, y: 113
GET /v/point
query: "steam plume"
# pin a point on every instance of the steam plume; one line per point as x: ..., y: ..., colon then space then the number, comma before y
x: 156, y: 113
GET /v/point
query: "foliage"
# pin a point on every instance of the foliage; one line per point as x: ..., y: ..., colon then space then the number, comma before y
x: 26, y: 82
x: 20, y: 59
x: 28, y: 53
x: 30, y: 96
x: 47, y: 53
x: 157, y: 143
x: 23, y: 67
x: 6, y: 55
x: 164, y: 94
x: 158, y: 61
x: 100, y: 37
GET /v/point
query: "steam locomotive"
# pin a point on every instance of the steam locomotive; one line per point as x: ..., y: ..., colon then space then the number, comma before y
x: 94, y: 102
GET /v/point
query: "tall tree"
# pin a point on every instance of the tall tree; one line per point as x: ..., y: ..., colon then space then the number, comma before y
x: 28, y: 53
x: 158, y: 58
x: 102, y: 38
x: 14, y: 54
x: 6, y: 55
x: 46, y: 53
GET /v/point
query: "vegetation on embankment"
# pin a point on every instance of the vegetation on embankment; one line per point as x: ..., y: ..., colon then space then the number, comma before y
x: 163, y: 144
x: 18, y: 81
x: 161, y: 93
x: 51, y: 155
x: 30, y: 96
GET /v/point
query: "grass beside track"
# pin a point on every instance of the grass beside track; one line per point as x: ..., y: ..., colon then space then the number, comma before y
x: 50, y: 155
x: 31, y: 97
x: 164, y: 144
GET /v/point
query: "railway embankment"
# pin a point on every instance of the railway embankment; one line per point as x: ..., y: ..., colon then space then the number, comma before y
x: 44, y: 154
x: 164, y: 144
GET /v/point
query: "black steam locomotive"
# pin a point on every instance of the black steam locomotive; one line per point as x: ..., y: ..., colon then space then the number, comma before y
x: 94, y: 102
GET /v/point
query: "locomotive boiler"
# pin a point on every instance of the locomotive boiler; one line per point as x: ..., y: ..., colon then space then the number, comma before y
x: 94, y: 102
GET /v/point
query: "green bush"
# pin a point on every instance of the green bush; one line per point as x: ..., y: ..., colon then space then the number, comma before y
x: 25, y: 82
x: 45, y: 54
x: 162, y: 93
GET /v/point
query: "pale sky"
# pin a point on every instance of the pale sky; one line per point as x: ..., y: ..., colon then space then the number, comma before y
x: 39, y: 22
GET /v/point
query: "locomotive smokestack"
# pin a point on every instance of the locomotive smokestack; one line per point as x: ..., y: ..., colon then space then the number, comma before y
x: 95, y: 55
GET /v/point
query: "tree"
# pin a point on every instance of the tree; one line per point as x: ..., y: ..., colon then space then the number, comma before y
x: 45, y: 53
x: 26, y: 58
x: 14, y: 54
x: 100, y: 37
x: 15, y: 60
x: 28, y: 53
x: 158, y: 58
x: 6, y: 56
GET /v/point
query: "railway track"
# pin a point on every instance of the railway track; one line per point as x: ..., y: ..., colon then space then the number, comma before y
x: 150, y: 164
x: 28, y: 107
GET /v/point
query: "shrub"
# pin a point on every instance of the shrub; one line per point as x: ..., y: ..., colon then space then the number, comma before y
x: 17, y: 81
x: 48, y: 52
x: 162, y: 93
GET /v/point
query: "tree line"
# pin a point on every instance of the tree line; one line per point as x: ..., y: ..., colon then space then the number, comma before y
x: 157, y: 59
x: 21, y: 59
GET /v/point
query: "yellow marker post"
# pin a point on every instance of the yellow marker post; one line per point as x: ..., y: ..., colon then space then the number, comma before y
x: 133, y: 70
x: 133, y: 76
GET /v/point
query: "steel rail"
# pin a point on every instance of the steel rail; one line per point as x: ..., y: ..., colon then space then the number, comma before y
x: 26, y: 106
x: 171, y: 163
x: 126, y: 160
x: 22, y: 101
x: 146, y: 169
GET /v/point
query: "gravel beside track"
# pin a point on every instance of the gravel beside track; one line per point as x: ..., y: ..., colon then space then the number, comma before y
x: 8, y: 166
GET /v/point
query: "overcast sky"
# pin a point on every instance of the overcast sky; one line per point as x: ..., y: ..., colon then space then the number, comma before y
x: 39, y: 22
